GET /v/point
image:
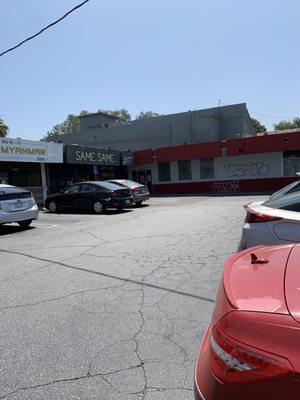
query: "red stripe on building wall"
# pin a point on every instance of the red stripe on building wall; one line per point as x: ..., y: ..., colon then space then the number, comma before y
x: 235, y: 147
x: 264, y: 144
x: 245, y: 185
x: 189, y: 152
x: 178, y: 153
x: 143, y: 157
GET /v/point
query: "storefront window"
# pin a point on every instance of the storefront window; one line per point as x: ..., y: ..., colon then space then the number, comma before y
x: 18, y: 178
x: 184, y: 170
x: 34, y: 178
x: 25, y: 178
x: 164, y: 173
x: 106, y: 172
x: 207, y: 169
x: 3, y: 178
x: 291, y: 163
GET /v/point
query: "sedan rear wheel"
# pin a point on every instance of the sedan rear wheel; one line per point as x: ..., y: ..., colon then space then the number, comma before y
x: 98, y: 207
x: 52, y: 207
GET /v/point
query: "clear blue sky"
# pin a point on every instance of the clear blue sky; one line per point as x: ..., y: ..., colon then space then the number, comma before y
x: 164, y: 55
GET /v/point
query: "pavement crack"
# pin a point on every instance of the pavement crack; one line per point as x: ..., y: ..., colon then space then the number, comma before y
x: 119, y: 278
x: 54, y: 298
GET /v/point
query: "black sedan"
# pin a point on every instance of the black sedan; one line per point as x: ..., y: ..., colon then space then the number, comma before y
x: 96, y: 196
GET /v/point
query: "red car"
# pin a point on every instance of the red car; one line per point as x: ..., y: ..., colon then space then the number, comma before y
x: 251, y: 349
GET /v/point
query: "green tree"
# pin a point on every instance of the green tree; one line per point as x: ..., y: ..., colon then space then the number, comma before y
x: 3, y: 129
x: 147, y: 115
x: 258, y: 126
x: 72, y: 124
x: 69, y: 125
x: 123, y: 114
x: 84, y: 112
x: 282, y: 125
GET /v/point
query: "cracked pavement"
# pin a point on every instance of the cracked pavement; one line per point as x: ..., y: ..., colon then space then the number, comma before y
x: 112, y: 306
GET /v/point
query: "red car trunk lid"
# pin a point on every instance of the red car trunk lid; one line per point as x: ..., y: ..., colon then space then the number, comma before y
x: 292, y: 283
x: 254, y: 279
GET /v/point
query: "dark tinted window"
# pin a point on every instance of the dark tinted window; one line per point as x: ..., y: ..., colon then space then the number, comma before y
x: 184, y: 170
x: 293, y: 187
x: 164, y: 173
x: 207, y: 169
x: 72, y: 189
x: 291, y: 162
x: 87, y: 187
x: 290, y: 202
x: 13, y: 196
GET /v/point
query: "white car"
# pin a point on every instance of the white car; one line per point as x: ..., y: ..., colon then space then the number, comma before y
x: 272, y: 222
x: 17, y: 205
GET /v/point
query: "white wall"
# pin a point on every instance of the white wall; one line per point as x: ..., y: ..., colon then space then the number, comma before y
x: 253, y: 166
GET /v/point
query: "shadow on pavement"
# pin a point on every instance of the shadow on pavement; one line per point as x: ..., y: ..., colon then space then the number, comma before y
x: 141, y: 205
x: 11, y: 229
x: 87, y: 212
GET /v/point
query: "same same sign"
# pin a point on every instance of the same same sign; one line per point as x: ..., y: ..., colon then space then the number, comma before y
x: 91, y: 155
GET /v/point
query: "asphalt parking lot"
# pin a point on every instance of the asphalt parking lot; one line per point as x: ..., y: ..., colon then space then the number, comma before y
x: 112, y: 306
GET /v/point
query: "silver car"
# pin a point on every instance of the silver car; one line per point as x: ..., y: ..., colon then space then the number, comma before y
x: 273, y: 222
x: 17, y: 205
x: 140, y: 192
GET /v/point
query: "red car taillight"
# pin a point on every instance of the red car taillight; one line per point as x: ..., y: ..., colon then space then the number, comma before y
x: 235, y: 363
x: 254, y: 216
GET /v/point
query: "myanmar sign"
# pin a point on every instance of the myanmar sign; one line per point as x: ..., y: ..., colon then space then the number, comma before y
x: 29, y: 151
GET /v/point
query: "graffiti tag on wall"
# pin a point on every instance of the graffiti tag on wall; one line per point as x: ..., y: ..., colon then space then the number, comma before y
x: 259, y: 168
x: 226, y: 186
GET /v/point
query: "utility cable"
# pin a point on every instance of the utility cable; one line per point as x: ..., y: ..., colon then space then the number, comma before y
x: 44, y: 29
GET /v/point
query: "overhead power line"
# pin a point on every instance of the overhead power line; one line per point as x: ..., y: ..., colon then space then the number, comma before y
x: 44, y: 29
x: 257, y: 113
x: 271, y: 116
